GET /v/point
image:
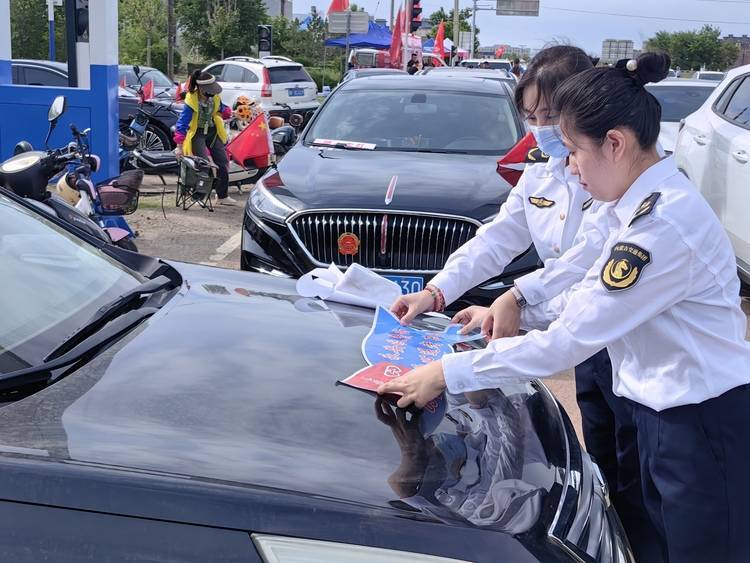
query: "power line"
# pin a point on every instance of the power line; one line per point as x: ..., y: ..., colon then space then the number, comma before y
x: 644, y: 17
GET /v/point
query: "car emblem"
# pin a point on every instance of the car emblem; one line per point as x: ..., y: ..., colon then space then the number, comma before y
x: 391, y: 190
x: 348, y: 244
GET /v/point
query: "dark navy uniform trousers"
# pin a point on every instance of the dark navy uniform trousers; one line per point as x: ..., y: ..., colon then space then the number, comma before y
x: 610, y: 434
x: 695, y: 461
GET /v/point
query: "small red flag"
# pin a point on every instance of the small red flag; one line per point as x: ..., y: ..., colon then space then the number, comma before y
x: 148, y: 91
x: 252, y: 144
x: 178, y: 91
x: 525, y: 151
x: 499, y: 52
x: 439, y: 41
x: 396, y: 41
x: 122, y: 82
x: 338, y: 6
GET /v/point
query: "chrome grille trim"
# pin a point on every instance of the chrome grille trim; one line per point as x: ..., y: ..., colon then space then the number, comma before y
x: 416, y: 242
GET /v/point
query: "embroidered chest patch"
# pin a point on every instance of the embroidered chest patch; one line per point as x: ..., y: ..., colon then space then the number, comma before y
x: 541, y: 202
x: 624, y: 266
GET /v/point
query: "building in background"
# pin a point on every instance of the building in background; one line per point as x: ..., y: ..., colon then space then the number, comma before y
x: 280, y: 8
x: 743, y: 43
x: 615, y: 49
x: 511, y: 51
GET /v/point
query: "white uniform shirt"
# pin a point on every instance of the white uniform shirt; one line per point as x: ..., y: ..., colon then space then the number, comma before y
x: 545, y: 208
x: 663, y: 297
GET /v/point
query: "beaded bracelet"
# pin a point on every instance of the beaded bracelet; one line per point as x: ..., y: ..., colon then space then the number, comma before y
x: 438, y: 298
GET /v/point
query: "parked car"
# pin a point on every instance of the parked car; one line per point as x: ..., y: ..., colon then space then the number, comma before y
x: 163, y: 86
x: 163, y: 114
x: 282, y: 86
x: 403, y: 165
x: 503, y: 64
x: 678, y: 99
x: 353, y: 73
x: 464, y: 72
x: 711, y: 75
x: 713, y: 150
x: 134, y: 424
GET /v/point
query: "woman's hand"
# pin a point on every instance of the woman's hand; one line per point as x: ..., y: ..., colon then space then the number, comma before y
x: 418, y: 386
x: 178, y: 152
x: 471, y: 318
x: 407, y: 307
x: 503, y: 318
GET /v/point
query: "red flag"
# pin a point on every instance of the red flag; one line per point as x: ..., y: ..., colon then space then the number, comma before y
x: 252, y: 144
x: 122, y: 82
x: 396, y: 41
x: 525, y: 151
x: 338, y: 6
x: 439, y: 39
x: 499, y: 52
x: 148, y: 91
x: 178, y: 91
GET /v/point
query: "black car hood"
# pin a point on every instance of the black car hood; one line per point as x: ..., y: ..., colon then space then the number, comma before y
x: 457, y: 184
x: 234, y: 380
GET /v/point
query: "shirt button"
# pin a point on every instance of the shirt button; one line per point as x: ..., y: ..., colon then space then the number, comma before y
x: 562, y: 216
x: 556, y: 249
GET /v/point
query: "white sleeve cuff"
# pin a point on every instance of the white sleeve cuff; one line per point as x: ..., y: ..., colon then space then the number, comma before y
x: 458, y: 372
x: 532, y: 288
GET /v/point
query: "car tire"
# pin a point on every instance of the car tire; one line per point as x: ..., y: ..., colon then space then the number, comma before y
x: 155, y: 139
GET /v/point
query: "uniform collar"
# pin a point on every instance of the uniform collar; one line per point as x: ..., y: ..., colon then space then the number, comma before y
x: 644, y: 185
x: 555, y: 167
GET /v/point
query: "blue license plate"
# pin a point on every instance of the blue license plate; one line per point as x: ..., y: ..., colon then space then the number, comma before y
x: 409, y: 284
x: 296, y: 92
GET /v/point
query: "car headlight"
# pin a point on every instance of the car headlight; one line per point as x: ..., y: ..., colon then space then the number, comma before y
x: 280, y: 549
x: 266, y: 204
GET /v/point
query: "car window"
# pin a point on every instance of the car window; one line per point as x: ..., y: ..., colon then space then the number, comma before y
x: 130, y: 78
x: 403, y: 120
x: 713, y: 76
x: 738, y: 108
x: 160, y: 79
x: 35, y: 76
x: 677, y: 102
x: 284, y: 74
x: 233, y: 73
x: 722, y: 100
x: 248, y: 76
x: 52, y: 283
x: 17, y: 75
x: 216, y: 71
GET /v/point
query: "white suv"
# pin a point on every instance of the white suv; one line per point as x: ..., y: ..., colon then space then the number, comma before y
x: 713, y: 150
x: 279, y: 84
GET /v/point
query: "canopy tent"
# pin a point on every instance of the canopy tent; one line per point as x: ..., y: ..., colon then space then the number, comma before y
x: 377, y: 37
x: 428, y: 45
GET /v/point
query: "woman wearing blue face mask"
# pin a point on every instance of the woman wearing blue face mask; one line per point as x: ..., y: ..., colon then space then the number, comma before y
x: 547, y: 208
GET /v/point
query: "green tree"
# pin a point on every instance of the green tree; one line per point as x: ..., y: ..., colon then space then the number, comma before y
x: 30, y: 32
x: 695, y: 49
x: 224, y: 25
x: 464, y: 23
x: 194, y: 18
x: 142, y: 27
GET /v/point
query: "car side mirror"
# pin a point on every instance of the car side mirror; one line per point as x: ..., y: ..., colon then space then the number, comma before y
x: 295, y: 120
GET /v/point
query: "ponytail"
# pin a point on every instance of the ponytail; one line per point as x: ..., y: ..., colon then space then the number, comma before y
x: 193, y: 80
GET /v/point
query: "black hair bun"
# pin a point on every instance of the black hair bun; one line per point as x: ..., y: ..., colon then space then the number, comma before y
x: 653, y: 67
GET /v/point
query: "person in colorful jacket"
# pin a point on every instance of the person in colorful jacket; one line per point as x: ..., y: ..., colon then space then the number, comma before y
x: 200, y: 129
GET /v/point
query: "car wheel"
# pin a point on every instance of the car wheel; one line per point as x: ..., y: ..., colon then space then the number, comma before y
x: 154, y: 139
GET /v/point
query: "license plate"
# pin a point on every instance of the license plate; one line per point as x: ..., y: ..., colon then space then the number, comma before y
x: 296, y: 92
x: 408, y: 284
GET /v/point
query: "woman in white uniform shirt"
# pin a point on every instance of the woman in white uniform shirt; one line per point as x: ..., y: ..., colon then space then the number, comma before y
x: 547, y: 208
x: 663, y: 297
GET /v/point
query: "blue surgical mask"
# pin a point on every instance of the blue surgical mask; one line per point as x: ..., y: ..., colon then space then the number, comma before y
x: 549, y: 140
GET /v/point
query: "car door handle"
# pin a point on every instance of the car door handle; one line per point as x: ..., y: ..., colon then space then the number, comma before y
x: 741, y: 156
x: 700, y: 139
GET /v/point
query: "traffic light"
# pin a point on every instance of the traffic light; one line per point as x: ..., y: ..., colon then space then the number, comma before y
x: 265, y: 39
x: 416, y: 16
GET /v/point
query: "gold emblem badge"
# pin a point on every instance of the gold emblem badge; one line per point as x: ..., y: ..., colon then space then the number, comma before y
x: 646, y: 207
x: 541, y: 202
x: 536, y: 155
x: 348, y: 244
x: 624, y: 267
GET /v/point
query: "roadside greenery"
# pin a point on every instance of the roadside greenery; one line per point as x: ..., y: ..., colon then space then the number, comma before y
x: 693, y: 50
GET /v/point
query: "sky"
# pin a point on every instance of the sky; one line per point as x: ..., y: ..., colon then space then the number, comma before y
x: 569, y: 21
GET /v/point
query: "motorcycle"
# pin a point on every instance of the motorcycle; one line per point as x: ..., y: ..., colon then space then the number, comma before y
x: 29, y: 172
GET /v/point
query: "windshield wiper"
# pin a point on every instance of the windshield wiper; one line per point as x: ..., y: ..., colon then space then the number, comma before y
x: 436, y: 151
x: 345, y: 146
x: 108, y: 312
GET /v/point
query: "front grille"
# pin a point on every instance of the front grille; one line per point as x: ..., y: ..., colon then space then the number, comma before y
x: 388, y: 241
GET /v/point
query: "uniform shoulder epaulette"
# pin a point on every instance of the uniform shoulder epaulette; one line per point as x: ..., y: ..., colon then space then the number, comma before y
x: 536, y: 155
x: 588, y: 203
x: 646, y: 207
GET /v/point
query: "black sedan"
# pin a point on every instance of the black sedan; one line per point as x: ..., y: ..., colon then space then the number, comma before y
x: 162, y: 112
x: 156, y: 411
x: 394, y: 173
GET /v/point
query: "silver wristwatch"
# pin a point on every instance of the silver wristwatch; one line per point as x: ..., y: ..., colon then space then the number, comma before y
x: 520, y: 299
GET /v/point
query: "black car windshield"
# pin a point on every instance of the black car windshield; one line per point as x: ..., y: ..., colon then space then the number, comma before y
x: 419, y: 120
x: 53, y: 283
x: 677, y: 102
x: 285, y: 74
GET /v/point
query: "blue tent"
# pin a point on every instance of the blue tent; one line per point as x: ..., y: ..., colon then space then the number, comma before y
x: 377, y: 37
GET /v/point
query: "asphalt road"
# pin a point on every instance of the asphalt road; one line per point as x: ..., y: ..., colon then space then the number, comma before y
x: 213, y: 239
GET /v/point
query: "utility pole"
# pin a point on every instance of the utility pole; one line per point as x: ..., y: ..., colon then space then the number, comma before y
x: 407, y: 25
x: 456, y: 26
x: 171, y: 38
x: 473, y: 27
x: 51, y: 27
x: 391, y: 20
